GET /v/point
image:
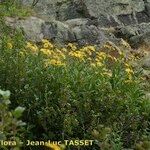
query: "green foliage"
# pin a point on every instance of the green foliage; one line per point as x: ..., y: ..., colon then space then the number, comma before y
x: 71, y: 92
x: 13, y: 8
x: 10, y: 127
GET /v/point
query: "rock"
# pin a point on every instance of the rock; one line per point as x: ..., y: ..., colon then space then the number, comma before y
x: 31, y: 27
x: 89, y: 35
x: 146, y: 62
x: 58, y: 32
x: 75, y: 30
x: 81, y: 20
x: 142, y: 40
x: 108, y: 13
x: 53, y: 9
x: 76, y: 22
x: 126, y: 32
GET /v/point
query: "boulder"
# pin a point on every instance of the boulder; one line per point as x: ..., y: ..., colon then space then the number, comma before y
x: 75, y: 30
x: 81, y: 20
x: 31, y: 26
x: 146, y: 62
x: 89, y: 35
x: 108, y: 13
x: 58, y: 32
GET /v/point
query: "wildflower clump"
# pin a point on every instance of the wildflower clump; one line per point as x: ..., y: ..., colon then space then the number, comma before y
x: 74, y: 92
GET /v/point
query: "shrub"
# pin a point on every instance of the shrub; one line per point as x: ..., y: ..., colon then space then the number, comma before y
x: 10, y: 125
x: 72, y: 92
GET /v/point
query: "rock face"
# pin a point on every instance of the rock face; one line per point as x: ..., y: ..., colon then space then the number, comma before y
x: 108, y: 13
x: 81, y: 20
x: 75, y: 30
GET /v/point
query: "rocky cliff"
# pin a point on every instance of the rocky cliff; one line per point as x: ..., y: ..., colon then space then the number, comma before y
x: 87, y: 21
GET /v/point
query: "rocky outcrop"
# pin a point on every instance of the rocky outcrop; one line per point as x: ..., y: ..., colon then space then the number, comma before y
x: 107, y: 13
x: 81, y: 20
x: 75, y: 30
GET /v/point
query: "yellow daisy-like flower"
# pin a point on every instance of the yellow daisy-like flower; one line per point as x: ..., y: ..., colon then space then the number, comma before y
x: 127, y: 65
x: 32, y: 47
x: 9, y: 45
x: 102, y: 54
x: 120, y: 52
x: 107, y: 46
x: 128, y: 81
x: 93, y: 65
x: 72, y: 46
x: 129, y: 71
x: 91, y: 48
x: 115, y: 59
x: 54, y: 62
x: 46, y: 45
x: 60, y: 53
x: 21, y: 53
x: 45, y: 41
x: 64, y: 49
x: 46, y: 51
x: 78, y: 54
x: 99, y: 64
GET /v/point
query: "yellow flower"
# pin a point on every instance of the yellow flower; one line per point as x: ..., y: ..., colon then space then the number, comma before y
x: 120, y: 52
x: 45, y: 41
x: 89, y: 52
x: 91, y: 48
x: 93, y: 64
x: 102, y: 54
x: 60, y: 53
x: 21, y: 53
x: 107, y: 46
x: 99, y: 64
x: 78, y: 54
x: 89, y: 59
x: 124, y: 43
x: 32, y: 47
x: 129, y: 71
x: 53, y: 146
x: 47, y: 44
x: 128, y: 81
x: 72, y: 46
x: 54, y: 62
x: 46, y: 51
x: 115, y: 59
x: 64, y: 49
x: 9, y: 45
x: 108, y: 74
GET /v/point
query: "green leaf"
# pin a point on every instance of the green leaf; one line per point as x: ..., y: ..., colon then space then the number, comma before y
x: 21, y: 123
x: 5, y: 94
x: 2, y: 136
x: 7, y: 102
x: 18, y: 112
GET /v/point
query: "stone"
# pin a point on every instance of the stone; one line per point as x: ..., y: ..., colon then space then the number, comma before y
x: 58, y: 32
x: 76, y: 22
x: 81, y: 20
x: 31, y: 27
x: 74, y: 30
x: 126, y: 32
x: 89, y: 35
x: 146, y: 62
x: 110, y: 12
